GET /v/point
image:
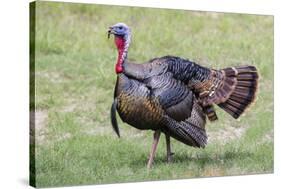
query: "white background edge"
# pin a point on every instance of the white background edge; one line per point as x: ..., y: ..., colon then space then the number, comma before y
x: 14, y: 123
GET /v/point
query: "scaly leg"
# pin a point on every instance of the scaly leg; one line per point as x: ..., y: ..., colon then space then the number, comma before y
x: 156, y: 137
x: 168, y: 145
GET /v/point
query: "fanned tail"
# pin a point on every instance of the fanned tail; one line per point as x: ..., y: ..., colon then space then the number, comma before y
x: 240, y: 88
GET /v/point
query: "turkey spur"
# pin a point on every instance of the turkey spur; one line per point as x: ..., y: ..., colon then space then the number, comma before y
x: 172, y: 95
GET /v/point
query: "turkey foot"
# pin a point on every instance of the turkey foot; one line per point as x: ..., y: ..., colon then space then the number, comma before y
x: 169, y: 153
x: 156, y: 137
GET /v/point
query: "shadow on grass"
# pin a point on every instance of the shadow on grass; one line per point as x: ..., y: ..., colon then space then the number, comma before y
x: 200, y: 159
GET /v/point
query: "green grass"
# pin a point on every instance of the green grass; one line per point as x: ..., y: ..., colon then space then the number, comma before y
x: 75, y: 80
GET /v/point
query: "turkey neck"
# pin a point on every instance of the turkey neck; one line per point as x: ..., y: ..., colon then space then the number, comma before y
x: 122, y: 44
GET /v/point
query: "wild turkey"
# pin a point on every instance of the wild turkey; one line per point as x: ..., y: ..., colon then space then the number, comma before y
x: 175, y: 95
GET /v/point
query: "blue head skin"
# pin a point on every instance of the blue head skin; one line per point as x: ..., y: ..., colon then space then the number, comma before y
x: 122, y: 35
x: 120, y: 30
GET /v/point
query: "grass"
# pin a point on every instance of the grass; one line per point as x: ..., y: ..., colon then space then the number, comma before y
x: 74, y: 83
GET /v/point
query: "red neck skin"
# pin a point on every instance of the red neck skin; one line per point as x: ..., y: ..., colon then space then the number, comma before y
x: 120, y: 44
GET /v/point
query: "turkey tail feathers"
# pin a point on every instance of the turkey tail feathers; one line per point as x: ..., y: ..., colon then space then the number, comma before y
x: 210, y: 112
x: 244, y: 83
x: 114, y: 122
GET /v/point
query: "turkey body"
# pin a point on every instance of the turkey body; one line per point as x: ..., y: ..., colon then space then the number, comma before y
x: 135, y: 105
x: 148, y: 96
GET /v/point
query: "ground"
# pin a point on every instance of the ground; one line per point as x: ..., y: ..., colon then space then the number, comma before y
x: 74, y: 83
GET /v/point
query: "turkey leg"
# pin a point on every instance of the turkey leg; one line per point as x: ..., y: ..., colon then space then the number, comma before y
x: 156, y: 137
x: 168, y: 145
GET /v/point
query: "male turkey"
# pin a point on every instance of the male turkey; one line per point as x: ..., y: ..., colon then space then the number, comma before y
x: 174, y: 95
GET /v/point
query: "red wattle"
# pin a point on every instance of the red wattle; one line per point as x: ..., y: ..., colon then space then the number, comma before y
x: 118, y: 69
x: 120, y: 44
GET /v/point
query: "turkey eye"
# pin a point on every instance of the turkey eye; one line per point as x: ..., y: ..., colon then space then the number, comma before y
x: 120, y: 28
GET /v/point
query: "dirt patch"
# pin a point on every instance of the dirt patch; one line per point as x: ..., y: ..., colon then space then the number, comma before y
x: 64, y: 137
x: 53, y: 77
x: 226, y: 134
x: 38, y: 122
x: 100, y: 130
x: 211, y: 171
x: 38, y: 128
x: 69, y: 108
x: 268, y: 137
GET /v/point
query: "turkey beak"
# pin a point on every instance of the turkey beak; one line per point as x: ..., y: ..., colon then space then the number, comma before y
x: 110, y: 31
